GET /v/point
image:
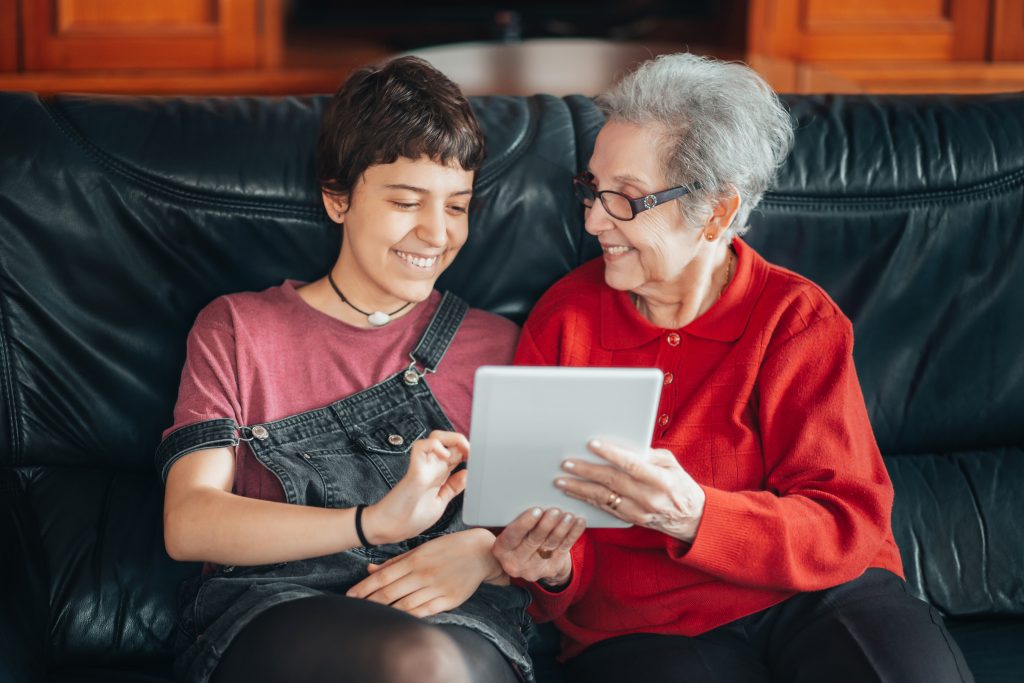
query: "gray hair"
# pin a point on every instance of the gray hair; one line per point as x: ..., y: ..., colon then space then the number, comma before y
x: 721, y: 124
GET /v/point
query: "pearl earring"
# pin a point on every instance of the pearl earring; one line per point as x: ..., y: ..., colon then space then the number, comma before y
x: 710, y: 236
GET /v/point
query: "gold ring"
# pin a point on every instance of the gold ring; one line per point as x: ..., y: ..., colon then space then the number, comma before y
x: 614, y: 500
x: 545, y: 554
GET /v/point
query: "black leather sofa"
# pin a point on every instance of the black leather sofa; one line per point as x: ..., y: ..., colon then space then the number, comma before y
x: 121, y: 217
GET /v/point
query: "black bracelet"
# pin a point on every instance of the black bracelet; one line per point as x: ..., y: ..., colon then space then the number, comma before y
x: 359, y: 526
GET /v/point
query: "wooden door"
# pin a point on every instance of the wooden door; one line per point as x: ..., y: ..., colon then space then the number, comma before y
x: 81, y: 35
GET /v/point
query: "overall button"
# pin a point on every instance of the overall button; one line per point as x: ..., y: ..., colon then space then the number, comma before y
x: 663, y: 419
x: 396, y: 440
x: 306, y: 456
x: 260, y: 432
x: 669, y: 378
x: 672, y: 339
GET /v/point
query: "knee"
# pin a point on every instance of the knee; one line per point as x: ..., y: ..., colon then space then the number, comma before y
x: 423, y: 655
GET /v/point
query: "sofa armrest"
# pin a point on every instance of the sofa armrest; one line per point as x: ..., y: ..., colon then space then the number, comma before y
x: 23, y: 606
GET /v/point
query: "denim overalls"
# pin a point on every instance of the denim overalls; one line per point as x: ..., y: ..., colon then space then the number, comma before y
x: 349, y: 452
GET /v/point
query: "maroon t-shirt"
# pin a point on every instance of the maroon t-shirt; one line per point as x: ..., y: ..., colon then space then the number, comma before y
x: 261, y: 356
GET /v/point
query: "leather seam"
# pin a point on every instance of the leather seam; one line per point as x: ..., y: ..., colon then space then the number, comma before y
x: 517, y: 149
x: 977, y: 191
x: 575, y: 116
x: 987, y: 451
x: 131, y: 173
x: 7, y: 378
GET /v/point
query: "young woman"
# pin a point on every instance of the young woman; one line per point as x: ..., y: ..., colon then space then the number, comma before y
x: 315, y: 458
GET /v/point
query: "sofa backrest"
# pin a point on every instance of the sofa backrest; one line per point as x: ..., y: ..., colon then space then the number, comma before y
x: 120, y: 218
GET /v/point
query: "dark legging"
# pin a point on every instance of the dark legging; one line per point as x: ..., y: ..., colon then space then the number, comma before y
x: 870, y: 629
x: 334, y: 639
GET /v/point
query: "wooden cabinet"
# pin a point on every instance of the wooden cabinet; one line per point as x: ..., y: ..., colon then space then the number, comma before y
x: 888, y: 45
x: 876, y: 30
x: 146, y: 46
x: 84, y: 35
x: 238, y: 46
x: 1008, y: 30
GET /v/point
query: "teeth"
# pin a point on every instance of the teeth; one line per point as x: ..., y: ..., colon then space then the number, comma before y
x: 418, y: 261
x: 617, y: 250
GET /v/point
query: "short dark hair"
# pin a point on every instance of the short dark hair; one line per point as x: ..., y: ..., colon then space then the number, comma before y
x: 404, y: 108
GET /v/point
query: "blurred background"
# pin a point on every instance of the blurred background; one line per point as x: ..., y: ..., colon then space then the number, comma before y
x: 555, y: 46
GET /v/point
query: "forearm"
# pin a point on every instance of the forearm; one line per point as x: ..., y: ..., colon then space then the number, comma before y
x: 211, y: 525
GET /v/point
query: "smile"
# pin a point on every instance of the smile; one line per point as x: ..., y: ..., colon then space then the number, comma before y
x: 616, y: 250
x: 423, y: 262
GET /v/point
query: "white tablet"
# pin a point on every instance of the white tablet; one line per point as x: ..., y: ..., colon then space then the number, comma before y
x: 527, y: 420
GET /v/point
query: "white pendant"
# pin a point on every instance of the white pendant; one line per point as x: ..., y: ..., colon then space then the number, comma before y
x: 378, y: 318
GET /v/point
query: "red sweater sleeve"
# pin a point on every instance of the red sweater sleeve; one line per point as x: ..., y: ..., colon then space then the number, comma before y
x: 826, y: 507
x: 548, y: 605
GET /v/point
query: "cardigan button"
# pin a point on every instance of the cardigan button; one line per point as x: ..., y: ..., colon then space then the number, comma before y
x: 672, y: 339
x: 669, y: 378
x: 663, y: 419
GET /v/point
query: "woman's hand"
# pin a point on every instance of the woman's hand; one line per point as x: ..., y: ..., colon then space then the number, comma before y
x: 535, y: 546
x: 419, y: 499
x: 435, y: 577
x: 649, y: 489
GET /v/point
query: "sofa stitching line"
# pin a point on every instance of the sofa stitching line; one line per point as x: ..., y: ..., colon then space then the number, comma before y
x: 122, y: 168
x: 576, y: 116
x: 7, y: 375
x: 518, y: 148
x: 982, y: 190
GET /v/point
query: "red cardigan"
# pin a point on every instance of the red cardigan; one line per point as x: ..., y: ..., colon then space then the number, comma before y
x: 761, y: 405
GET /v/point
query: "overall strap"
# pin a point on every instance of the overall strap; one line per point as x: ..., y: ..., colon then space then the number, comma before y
x: 439, y: 333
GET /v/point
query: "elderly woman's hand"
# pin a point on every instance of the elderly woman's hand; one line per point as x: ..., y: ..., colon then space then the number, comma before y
x: 649, y: 488
x: 535, y: 546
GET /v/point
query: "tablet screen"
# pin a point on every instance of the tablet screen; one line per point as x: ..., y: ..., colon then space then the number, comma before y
x: 527, y: 420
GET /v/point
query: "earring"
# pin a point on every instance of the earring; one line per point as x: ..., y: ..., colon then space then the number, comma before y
x: 710, y: 236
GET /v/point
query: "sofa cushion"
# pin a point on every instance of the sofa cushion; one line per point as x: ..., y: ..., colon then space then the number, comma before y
x: 111, y: 587
x: 992, y: 648
x: 962, y: 551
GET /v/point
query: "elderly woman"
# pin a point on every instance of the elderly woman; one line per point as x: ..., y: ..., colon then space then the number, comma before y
x: 761, y: 546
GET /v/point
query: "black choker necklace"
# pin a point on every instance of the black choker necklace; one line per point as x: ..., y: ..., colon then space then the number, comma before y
x: 377, y: 318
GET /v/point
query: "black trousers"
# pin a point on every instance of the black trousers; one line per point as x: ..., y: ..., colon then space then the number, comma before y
x: 335, y: 639
x: 869, y: 629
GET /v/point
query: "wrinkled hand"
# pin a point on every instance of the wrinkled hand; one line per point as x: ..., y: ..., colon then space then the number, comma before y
x: 535, y: 546
x: 435, y: 577
x: 419, y: 499
x: 649, y: 488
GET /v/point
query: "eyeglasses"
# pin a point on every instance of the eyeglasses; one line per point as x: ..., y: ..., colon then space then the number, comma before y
x: 618, y: 205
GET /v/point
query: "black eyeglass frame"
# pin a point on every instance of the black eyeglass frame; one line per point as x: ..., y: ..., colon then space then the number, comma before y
x: 585, y: 191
